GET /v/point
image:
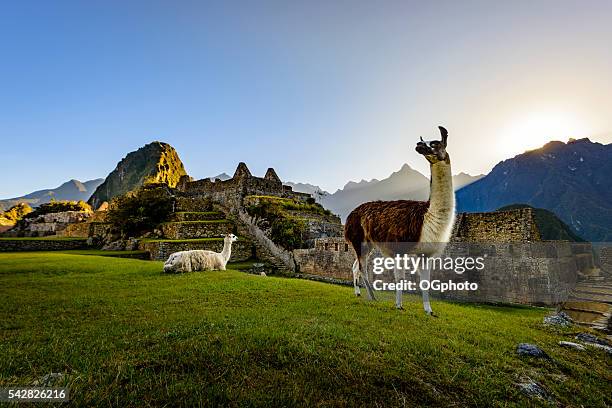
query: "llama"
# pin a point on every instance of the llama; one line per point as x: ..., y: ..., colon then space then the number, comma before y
x: 200, y: 260
x: 427, y: 225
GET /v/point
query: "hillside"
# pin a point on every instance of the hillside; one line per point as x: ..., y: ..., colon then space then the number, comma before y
x: 156, y: 162
x: 570, y: 179
x: 72, y: 190
x: 134, y: 336
x: 550, y: 226
x: 10, y: 217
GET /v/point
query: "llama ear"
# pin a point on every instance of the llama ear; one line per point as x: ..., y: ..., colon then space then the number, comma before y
x: 444, y: 134
x: 422, y: 139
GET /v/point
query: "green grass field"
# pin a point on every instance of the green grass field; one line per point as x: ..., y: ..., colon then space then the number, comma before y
x: 127, y: 335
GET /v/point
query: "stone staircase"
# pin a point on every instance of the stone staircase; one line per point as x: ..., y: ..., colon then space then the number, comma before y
x: 263, y: 247
x: 198, y: 224
x: 194, y: 225
x: 590, y: 303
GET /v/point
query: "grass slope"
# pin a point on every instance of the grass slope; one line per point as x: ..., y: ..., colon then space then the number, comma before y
x: 128, y: 335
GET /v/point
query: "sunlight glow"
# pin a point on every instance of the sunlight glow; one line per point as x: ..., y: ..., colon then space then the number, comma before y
x: 534, y: 130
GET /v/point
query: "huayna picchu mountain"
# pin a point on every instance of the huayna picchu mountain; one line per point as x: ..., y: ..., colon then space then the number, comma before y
x: 570, y: 179
x: 156, y: 162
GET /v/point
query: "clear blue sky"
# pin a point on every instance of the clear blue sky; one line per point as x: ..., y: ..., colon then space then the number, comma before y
x: 324, y: 91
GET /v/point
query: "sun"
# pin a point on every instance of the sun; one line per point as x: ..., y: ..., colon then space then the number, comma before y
x: 533, y: 130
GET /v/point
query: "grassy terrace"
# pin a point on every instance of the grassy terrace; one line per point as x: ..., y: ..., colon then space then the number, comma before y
x: 99, y: 252
x: 127, y: 335
x: 49, y: 238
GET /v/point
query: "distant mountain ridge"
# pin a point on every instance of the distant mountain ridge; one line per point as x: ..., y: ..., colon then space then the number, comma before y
x: 222, y: 177
x: 404, y: 184
x: 73, y: 190
x: 570, y: 179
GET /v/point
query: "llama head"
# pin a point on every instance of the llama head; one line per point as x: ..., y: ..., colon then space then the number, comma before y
x: 175, y: 263
x: 434, y: 150
x: 229, y: 238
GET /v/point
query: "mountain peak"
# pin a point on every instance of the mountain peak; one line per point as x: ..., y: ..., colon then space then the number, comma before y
x: 570, y: 179
x: 155, y: 162
x: 71, y: 190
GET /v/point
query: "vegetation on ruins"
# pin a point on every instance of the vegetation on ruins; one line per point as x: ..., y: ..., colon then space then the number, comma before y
x: 59, y: 206
x: 128, y: 335
x: 271, y: 215
x: 310, y: 206
x: 14, y: 214
x: 137, y: 212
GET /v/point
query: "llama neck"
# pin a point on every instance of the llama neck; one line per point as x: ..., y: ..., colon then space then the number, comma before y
x: 227, y: 250
x: 441, y: 195
x: 440, y: 216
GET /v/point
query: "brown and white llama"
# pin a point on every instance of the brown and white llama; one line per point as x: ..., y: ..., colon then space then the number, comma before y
x: 424, y: 226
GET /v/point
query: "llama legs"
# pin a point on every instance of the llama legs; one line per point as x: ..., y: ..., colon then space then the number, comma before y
x: 356, y: 277
x: 425, y: 275
x: 398, y: 277
x: 364, y: 277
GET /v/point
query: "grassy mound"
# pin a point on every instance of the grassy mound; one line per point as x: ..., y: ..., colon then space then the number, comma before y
x: 127, y: 335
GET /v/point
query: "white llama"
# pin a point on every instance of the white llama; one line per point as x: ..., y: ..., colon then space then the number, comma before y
x: 200, y: 260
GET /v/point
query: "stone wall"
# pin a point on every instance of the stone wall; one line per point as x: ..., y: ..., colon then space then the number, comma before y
x: 605, y: 259
x: 86, y: 229
x: 319, y: 225
x: 230, y: 193
x: 196, y: 229
x: 541, y: 273
x: 520, y: 268
x: 47, y: 224
x: 197, y: 216
x: 10, y: 245
x: 80, y: 229
x: 502, y: 226
x: 160, y: 250
x: 330, y: 258
x: 193, y: 204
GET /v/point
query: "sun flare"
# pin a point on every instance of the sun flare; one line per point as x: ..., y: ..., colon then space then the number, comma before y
x: 533, y: 130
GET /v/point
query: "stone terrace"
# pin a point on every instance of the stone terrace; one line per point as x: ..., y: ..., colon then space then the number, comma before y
x: 195, y: 225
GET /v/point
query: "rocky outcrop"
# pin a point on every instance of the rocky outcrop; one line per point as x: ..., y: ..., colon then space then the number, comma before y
x: 155, y: 162
x: 47, y: 224
x: 14, y: 214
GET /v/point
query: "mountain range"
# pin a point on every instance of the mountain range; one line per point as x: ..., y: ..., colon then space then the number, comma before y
x: 70, y: 190
x: 570, y: 179
x: 404, y: 184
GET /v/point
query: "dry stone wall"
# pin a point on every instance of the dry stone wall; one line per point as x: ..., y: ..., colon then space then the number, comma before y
x: 160, y: 250
x: 520, y: 268
x: 331, y: 258
x: 196, y: 229
x: 230, y: 193
x: 11, y: 245
x: 502, y: 226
